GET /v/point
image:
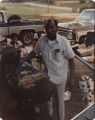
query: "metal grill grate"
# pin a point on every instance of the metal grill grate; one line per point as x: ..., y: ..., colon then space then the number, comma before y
x: 63, y: 31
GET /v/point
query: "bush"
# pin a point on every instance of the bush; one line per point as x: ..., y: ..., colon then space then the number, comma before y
x: 82, y: 1
x: 2, y: 8
x: 86, y: 7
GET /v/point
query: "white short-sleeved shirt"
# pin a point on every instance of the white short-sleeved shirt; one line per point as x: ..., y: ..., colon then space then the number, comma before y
x: 55, y: 56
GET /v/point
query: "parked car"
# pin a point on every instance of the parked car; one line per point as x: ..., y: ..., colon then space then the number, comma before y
x: 77, y: 30
x: 25, y: 29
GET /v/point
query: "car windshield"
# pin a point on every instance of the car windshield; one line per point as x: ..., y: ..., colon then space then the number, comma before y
x: 85, y: 16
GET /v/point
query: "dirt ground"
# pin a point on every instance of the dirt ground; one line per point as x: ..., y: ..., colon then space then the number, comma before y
x: 75, y: 104
x: 60, y: 16
x: 63, y: 2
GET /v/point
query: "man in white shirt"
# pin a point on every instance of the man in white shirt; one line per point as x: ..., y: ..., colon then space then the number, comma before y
x: 56, y: 51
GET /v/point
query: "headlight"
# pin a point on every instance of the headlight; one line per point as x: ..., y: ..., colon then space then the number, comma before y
x: 70, y: 35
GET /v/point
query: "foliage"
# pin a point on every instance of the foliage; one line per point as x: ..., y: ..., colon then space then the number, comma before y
x: 86, y: 7
x: 26, y: 11
x: 2, y: 8
x: 77, y: 5
x: 42, y: 1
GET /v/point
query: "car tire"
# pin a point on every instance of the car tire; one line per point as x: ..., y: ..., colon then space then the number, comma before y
x: 27, y: 38
x: 82, y: 40
x: 14, y: 17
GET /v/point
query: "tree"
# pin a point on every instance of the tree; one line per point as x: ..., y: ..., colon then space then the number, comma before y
x: 47, y: 1
x: 82, y: 1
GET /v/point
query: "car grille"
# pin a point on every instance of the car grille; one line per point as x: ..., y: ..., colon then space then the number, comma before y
x: 63, y: 31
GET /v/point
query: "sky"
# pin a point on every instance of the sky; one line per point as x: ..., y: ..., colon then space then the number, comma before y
x: 0, y: 0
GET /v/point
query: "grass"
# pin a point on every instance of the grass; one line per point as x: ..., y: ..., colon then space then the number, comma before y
x: 70, y: 0
x: 27, y: 11
x: 21, y: 9
x: 76, y: 5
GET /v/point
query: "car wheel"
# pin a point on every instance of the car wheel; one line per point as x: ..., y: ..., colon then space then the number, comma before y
x: 14, y: 17
x: 82, y: 40
x: 27, y: 38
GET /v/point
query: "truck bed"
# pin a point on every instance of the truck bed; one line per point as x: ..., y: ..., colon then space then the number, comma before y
x: 26, y: 22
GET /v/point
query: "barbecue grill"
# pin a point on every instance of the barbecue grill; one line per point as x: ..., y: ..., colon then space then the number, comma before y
x: 37, y: 87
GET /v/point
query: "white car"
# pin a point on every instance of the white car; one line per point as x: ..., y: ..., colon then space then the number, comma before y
x: 25, y: 29
x: 76, y: 31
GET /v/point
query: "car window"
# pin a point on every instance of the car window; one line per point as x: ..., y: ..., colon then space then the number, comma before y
x: 86, y: 16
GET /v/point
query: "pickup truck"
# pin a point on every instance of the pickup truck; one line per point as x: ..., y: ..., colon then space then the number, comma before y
x: 77, y: 30
x: 25, y: 29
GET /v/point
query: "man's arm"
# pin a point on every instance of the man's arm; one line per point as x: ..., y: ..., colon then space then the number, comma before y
x: 30, y: 56
x: 36, y: 51
x: 72, y: 72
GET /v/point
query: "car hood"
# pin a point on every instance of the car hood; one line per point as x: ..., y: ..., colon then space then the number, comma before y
x: 75, y: 25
